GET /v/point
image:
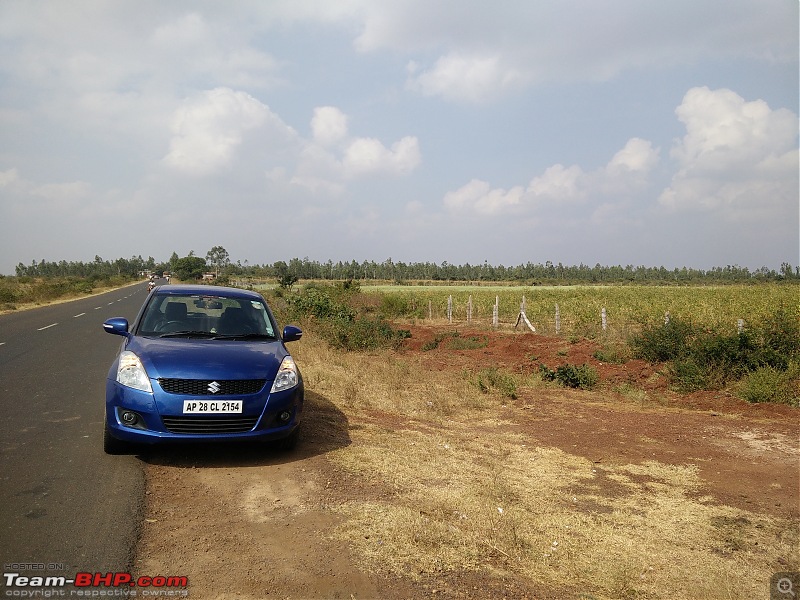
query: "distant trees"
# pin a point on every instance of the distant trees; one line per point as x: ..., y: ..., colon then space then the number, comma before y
x: 547, y: 273
x: 528, y: 273
x: 97, y: 269
x: 218, y: 258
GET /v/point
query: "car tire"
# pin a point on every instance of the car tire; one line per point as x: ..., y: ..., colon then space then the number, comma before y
x: 289, y: 442
x: 112, y: 445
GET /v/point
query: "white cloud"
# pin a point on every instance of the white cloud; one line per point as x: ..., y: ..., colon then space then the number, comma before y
x: 207, y: 129
x: 332, y: 157
x: 478, y: 197
x: 63, y: 192
x: 8, y: 177
x: 187, y: 30
x: 739, y: 158
x: 465, y: 78
x: 329, y: 125
x: 473, y: 52
x: 637, y: 155
x: 467, y: 195
x: 367, y: 155
x: 560, y: 186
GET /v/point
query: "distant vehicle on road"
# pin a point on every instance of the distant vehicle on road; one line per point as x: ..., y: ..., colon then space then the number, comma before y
x: 202, y: 364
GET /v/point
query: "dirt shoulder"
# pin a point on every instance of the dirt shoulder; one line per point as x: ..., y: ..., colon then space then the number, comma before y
x: 259, y: 524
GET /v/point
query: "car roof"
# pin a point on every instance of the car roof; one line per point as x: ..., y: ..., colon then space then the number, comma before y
x: 207, y: 290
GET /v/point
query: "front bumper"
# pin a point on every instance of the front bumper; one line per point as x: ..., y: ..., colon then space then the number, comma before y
x: 159, y: 417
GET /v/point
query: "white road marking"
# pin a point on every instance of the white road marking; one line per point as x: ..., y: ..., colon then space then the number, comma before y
x: 47, y: 327
x: 80, y: 315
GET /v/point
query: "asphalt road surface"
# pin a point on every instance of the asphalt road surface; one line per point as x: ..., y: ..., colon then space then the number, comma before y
x: 64, y: 504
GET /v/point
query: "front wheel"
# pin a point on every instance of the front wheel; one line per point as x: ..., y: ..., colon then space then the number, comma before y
x: 112, y: 445
x: 289, y: 442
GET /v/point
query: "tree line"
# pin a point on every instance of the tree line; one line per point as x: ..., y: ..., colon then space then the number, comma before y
x: 217, y: 261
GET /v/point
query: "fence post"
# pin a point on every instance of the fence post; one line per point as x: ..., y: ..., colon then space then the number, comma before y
x: 603, y: 318
x: 495, y: 311
x: 430, y: 310
x: 666, y: 318
x: 469, y: 309
x: 523, y: 317
x: 740, y: 326
x: 558, y: 320
x: 450, y: 309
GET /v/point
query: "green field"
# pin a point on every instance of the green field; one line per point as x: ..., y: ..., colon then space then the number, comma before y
x: 580, y: 306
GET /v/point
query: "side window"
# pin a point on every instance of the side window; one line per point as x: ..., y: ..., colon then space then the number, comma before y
x: 264, y: 324
x: 154, y: 315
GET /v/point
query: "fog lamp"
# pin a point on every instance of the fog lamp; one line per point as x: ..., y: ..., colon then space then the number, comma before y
x: 129, y: 418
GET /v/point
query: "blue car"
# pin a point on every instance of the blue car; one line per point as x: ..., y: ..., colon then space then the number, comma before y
x: 202, y: 364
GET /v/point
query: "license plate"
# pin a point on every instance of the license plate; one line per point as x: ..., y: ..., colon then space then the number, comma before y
x: 195, y: 407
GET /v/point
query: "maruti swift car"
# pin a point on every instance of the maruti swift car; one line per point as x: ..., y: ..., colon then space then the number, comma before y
x: 202, y: 364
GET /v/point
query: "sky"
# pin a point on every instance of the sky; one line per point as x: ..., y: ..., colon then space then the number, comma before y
x: 618, y: 132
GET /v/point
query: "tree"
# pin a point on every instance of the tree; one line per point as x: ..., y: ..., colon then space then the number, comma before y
x: 286, y: 279
x: 189, y: 267
x: 218, y: 258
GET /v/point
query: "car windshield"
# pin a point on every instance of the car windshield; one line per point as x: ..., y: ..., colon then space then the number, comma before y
x: 206, y: 316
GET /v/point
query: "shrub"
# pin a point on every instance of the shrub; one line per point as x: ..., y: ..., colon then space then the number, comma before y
x: 361, y: 334
x: 470, y: 342
x: 394, y: 306
x: 781, y: 336
x: 582, y: 376
x: 711, y: 360
x: 338, y: 323
x: 493, y: 379
x: 7, y: 294
x: 456, y: 342
x: 319, y: 302
x: 612, y: 354
x: 768, y: 384
x: 663, y: 343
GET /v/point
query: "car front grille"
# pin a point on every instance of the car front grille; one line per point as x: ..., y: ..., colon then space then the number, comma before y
x: 209, y: 426
x: 210, y: 387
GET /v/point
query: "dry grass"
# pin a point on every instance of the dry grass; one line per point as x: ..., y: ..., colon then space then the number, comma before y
x: 447, y: 488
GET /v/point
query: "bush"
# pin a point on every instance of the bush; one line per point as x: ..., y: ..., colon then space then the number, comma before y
x: 395, y: 306
x: 456, y: 342
x: 710, y: 360
x: 662, y: 343
x: 494, y: 379
x: 781, y: 336
x: 768, y: 384
x: 337, y: 322
x: 361, y: 334
x: 583, y: 376
x: 319, y: 302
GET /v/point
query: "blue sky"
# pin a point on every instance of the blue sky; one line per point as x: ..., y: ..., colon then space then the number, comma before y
x: 579, y: 131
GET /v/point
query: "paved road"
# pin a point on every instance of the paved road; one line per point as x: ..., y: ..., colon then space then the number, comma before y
x: 62, y: 500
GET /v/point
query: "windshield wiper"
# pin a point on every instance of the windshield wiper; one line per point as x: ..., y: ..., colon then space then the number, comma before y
x: 200, y: 334
x: 244, y: 336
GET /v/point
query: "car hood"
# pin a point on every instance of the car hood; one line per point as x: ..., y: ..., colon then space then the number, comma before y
x: 182, y: 358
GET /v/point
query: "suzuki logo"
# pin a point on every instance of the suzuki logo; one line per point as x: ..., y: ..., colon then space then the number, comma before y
x: 214, y: 387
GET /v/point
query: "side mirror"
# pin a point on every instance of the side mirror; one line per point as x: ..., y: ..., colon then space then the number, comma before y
x: 292, y: 333
x: 117, y: 326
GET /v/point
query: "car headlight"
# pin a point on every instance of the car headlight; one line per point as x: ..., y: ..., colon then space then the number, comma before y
x: 287, y: 375
x: 131, y: 373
